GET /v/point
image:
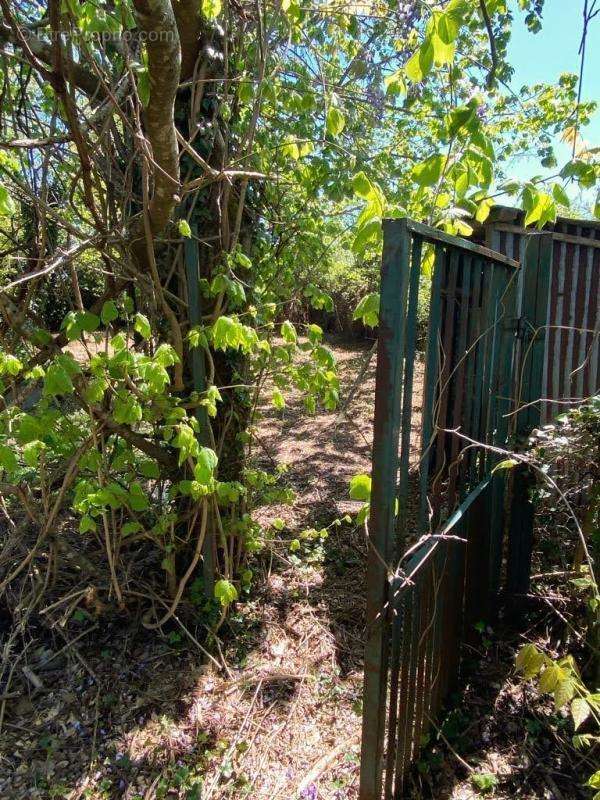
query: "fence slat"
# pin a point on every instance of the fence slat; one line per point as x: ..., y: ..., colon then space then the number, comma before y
x: 386, y: 431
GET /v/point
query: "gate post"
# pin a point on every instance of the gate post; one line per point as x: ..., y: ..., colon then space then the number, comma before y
x: 386, y: 432
x: 535, y: 287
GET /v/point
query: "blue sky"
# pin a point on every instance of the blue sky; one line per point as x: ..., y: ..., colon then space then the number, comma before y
x: 542, y: 57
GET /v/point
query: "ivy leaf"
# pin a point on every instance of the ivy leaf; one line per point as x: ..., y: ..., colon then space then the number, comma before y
x: 225, y: 592
x: 368, y: 310
x: 211, y: 8
x: 360, y: 487
x: 142, y: 326
x: 32, y: 451
x: 137, y: 498
x: 529, y: 661
x: 127, y: 410
x: 7, y: 206
x: 8, y: 459
x: 205, y: 465
x: 95, y: 390
x: 87, y: 524
x: 109, y: 312
x: 508, y: 463
x: 278, y: 400
x: 580, y: 711
x: 57, y: 381
x: 148, y: 469
x: 288, y: 332
x: 78, y: 322
x: 184, y: 229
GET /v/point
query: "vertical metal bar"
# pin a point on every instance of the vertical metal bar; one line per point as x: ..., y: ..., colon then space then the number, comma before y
x: 398, y: 633
x: 489, y: 310
x: 460, y: 401
x: 390, y: 352
x: 507, y: 322
x: 430, y: 384
x: 583, y: 316
x: 473, y: 333
x: 407, y: 709
x: 565, y: 323
x: 590, y: 379
x: 409, y: 369
x: 535, y: 289
x: 406, y: 688
x: 520, y: 539
x: 556, y: 317
x: 448, y: 361
x: 423, y: 587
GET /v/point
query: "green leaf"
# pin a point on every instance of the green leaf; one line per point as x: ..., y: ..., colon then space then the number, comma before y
x: 461, y: 117
x: 31, y: 452
x: 126, y: 409
x: 508, y: 463
x: 288, y: 332
x: 211, y: 8
x: 335, y: 121
x: 594, y: 780
x: 8, y: 459
x: 395, y: 83
x: 205, y: 465
x: 225, y: 592
x: 278, y: 524
x: 550, y: 678
x: 420, y: 63
x: 148, y: 469
x: 142, y: 326
x: 580, y: 711
x: 109, y: 312
x: 95, y: 390
x: 564, y: 692
x: 7, y: 206
x: 184, y: 229
x: 87, y: 524
x: 429, y: 171
x: 130, y: 528
x: 78, y: 322
x: 360, y: 487
x: 278, y: 400
x: 57, y: 381
x: 484, y: 781
x: 361, y: 185
x: 137, y: 498
x: 368, y: 310
x: 560, y: 196
x: 530, y: 661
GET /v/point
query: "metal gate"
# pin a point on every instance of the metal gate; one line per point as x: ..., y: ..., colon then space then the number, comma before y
x: 436, y: 533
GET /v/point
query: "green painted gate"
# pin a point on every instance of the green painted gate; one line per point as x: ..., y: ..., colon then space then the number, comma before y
x: 436, y: 529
